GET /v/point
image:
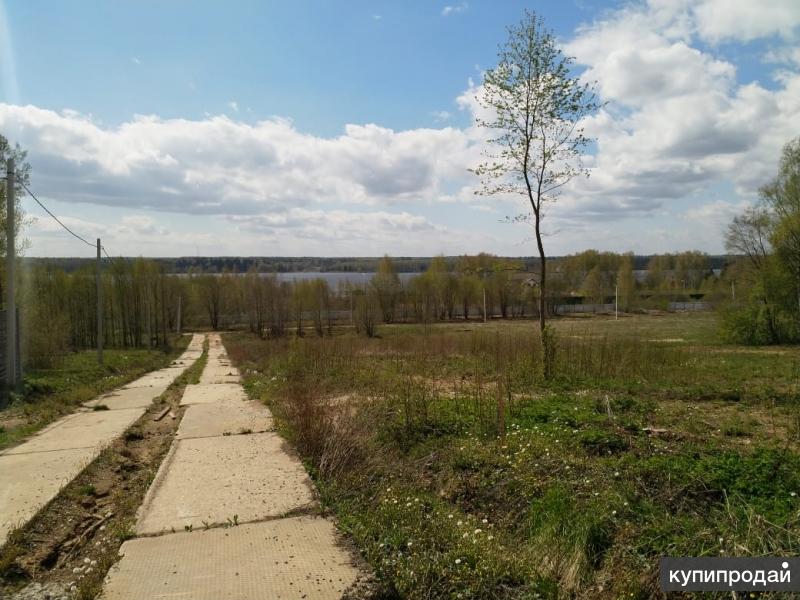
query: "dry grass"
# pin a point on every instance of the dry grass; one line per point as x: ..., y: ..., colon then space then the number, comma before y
x: 458, y: 470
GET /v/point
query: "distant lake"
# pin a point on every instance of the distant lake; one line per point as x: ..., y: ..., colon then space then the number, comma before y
x: 333, y: 279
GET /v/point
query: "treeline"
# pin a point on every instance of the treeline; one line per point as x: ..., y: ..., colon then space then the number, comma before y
x: 142, y: 302
x: 472, y: 287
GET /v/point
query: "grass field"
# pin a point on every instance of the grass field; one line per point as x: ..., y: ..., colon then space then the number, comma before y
x: 459, y: 472
x: 51, y: 393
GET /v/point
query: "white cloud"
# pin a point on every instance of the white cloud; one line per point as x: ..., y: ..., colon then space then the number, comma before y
x: 221, y: 166
x: 786, y: 55
x: 233, y: 105
x: 721, y: 20
x: 454, y: 9
x: 677, y: 122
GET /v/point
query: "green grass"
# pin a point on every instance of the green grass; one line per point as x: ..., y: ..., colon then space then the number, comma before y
x: 51, y: 393
x: 458, y: 470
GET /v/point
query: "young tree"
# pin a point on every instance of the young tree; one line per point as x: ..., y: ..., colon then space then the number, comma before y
x: 536, y: 109
x: 387, y: 287
x: 626, y: 283
x: 749, y: 233
x: 768, y: 236
x: 782, y: 196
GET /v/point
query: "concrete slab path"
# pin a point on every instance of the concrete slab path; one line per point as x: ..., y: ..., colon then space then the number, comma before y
x: 212, y: 393
x: 287, y: 558
x: 224, y: 418
x: 32, y: 473
x: 221, y: 472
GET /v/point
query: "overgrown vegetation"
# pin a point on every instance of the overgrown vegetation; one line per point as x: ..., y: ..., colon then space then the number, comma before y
x: 458, y: 470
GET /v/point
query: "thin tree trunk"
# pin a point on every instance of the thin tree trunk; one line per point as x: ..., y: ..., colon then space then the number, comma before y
x: 543, y: 278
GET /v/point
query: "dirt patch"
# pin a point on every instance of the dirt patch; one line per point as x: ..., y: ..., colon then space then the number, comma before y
x: 75, y: 539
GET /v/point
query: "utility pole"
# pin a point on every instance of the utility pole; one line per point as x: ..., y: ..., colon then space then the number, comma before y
x: 11, y: 259
x: 616, y: 302
x: 99, y: 277
x: 733, y: 291
x: 484, y: 302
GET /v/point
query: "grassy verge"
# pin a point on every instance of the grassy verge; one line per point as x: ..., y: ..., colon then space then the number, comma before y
x: 459, y: 472
x: 70, y: 545
x: 52, y: 393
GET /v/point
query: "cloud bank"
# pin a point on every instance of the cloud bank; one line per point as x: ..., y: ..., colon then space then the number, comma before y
x: 679, y: 124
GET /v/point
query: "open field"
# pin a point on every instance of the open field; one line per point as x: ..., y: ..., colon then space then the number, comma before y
x: 52, y: 393
x: 459, y: 472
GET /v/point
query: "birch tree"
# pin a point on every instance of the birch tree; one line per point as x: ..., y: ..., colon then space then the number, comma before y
x: 535, y: 107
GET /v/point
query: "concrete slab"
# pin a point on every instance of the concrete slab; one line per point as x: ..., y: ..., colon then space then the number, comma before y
x: 32, y: 473
x: 163, y: 377
x: 289, y: 558
x: 214, y: 478
x: 128, y: 397
x: 221, y: 418
x: 220, y: 374
x: 29, y: 481
x: 82, y: 430
x: 201, y: 394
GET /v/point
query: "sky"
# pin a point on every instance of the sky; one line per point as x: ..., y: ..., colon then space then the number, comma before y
x: 347, y: 128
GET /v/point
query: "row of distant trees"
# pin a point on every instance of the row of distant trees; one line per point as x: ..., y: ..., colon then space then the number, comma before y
x: 143, y: 301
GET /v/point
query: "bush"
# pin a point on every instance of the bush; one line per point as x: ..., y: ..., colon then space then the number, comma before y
x: 367, y: 313
x: 758, y: 324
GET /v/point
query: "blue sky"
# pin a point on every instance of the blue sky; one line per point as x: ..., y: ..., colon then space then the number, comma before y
x: 324, y: 64
x: 346, y: 128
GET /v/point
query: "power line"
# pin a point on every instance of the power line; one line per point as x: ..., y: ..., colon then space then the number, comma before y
x: 57, y: 220
x: 108, y: 256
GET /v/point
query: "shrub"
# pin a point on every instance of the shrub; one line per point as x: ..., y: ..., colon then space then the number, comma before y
x: 758, y: 324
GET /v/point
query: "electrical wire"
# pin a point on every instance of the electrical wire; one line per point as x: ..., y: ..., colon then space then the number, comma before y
x: 57, y: 220
x: 108, y: 256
